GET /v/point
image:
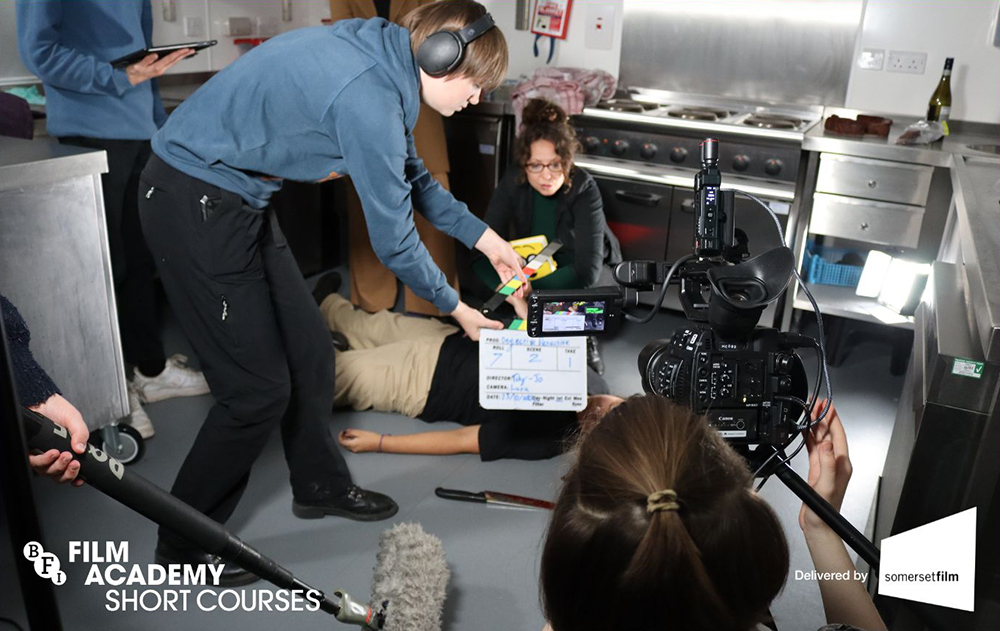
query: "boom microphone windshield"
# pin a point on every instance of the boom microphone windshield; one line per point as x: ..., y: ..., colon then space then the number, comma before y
x: 411, y: 578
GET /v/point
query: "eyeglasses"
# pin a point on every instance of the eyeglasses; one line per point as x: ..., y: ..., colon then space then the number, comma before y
x: 538, y: 167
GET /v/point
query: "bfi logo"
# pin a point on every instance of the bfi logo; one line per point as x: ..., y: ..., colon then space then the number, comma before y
x: 46, y: 564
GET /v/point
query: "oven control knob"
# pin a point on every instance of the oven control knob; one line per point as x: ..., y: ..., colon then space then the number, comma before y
x: 619, y: 147
x: 773, y: 166
x: 591, y: 143
x: 741, y: 162
x: 677, y: 154
x: 647, y: 151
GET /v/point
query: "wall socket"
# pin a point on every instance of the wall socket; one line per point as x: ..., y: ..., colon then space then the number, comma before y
x: 906, y: 61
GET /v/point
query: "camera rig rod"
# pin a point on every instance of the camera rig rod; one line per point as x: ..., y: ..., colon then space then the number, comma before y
x: 844, y: 529
x: 110, y: 477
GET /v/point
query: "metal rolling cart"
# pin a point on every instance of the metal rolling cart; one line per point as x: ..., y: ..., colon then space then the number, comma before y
x: 55, y: 266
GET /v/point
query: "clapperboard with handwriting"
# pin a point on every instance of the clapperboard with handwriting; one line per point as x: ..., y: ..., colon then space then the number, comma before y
x: 517, y: 372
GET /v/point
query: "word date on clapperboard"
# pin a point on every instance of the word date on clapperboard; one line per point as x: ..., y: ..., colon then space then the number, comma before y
x: 517, y: 372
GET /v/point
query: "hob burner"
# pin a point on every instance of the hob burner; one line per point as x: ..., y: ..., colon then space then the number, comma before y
x: 699, y: 113
x: 625, y: 105
x: 772, y: 121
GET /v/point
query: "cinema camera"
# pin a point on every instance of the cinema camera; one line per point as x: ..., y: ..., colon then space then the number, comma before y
x: 748, y: 380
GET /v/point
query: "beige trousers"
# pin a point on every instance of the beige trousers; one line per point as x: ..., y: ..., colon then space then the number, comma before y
x: 392, y: 359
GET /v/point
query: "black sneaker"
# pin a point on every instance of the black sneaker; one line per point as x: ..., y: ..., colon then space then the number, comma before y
x: 232, y: 574
x: 594, y: 356
x: 327, y: 284
x: 357, y: 504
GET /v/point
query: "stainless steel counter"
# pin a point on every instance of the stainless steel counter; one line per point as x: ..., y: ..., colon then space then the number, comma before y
x: 26, y: 163
x: 55, y: 266
x: 937, y: 154
x: 976, y: 183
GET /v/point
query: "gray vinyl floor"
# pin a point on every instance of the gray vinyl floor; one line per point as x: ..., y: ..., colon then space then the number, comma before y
x: 493, y: 553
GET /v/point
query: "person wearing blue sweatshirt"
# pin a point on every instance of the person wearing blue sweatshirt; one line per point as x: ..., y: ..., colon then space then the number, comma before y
x: 309, y: 105
x: 70, y: 45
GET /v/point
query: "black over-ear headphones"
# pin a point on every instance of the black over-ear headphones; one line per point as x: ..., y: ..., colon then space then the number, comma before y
x: 443, y: 51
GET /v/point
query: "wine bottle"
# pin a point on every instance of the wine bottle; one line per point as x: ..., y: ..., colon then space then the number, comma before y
x: 939, y: 107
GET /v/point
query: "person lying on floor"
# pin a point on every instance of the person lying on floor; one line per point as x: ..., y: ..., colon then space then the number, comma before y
x: 427, y: 369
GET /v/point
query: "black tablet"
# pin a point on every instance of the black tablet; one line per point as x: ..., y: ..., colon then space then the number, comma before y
x: 159, y: 51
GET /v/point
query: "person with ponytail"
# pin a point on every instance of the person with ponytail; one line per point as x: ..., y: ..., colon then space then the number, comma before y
x: 544, y: 193
x: 658, y: 527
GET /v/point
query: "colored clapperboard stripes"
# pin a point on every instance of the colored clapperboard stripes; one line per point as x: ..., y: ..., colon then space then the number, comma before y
x: 513, y: 284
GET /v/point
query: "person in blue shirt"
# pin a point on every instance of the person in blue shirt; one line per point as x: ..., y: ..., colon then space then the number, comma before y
x: 70, y: 45
x: 308, y: 105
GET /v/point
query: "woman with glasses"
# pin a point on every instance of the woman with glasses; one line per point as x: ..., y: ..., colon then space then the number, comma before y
x: 547, y: 195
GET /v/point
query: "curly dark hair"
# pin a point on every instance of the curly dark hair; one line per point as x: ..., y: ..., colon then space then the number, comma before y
x: 544, y: 120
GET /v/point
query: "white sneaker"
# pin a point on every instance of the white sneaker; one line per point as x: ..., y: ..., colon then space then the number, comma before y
x: 176, y: 380
x: 138, y: 418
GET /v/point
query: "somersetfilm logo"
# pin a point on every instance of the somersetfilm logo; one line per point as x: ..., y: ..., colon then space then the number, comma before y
x: 156, y: 587
x: 934, y: 564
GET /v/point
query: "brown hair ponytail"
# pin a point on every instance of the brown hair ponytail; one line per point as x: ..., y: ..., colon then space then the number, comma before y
x: 713, y: 563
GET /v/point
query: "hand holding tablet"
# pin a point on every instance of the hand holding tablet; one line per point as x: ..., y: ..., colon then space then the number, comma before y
x: 160, y: 51
x: 150, y: 63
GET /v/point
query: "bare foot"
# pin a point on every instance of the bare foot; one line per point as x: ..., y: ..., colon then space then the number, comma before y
x: 358, y: 440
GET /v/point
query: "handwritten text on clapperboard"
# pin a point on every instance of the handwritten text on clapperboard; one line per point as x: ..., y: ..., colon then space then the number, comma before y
x: 517, y: 372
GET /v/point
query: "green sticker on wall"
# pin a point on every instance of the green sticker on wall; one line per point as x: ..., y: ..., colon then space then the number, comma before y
x: 967, y: 368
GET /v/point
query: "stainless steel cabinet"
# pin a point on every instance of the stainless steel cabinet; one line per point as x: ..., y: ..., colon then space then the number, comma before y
x: 54, y: 265
x: 865, y: 203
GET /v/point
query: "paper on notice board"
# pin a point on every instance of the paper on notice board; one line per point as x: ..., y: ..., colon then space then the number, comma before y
x: 517, y: 372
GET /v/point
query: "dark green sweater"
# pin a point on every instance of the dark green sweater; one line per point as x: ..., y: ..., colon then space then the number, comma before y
x: 574, y: 215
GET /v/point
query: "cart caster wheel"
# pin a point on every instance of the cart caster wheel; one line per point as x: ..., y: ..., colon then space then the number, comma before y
x: 132, y: 445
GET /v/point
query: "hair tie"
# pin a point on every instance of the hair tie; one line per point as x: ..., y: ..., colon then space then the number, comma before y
x: 662, y: 500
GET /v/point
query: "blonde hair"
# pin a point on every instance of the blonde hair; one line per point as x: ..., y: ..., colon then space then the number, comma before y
x: 485, y: 59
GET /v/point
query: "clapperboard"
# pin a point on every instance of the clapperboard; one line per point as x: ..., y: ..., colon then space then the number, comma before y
x: 517, y: 372
x: 528, y: 270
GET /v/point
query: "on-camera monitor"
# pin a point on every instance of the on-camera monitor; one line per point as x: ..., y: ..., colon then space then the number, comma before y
x: 559, y: 317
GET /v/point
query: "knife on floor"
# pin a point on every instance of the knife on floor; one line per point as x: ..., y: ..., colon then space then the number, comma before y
x: 494, y: 498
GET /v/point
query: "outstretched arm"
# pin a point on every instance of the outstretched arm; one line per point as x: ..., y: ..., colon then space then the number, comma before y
x: 464, y: 440
x: 845, y: 601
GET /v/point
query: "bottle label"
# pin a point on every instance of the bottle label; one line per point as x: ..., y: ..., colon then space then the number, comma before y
x: 943, y: 119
